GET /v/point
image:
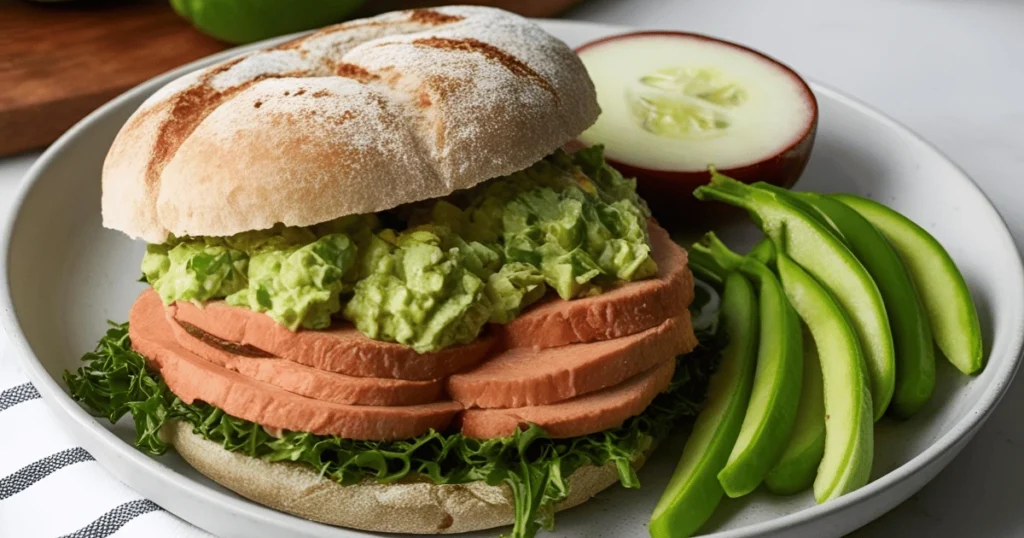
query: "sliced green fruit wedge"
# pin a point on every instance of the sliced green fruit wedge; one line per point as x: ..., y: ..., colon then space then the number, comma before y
x: 821, y: 253
x: 694, y: 492
x: 849, y: 434
x: 911, y: 333
x: 706, y: 268
x: 775, y: 395
x: 947, y: 300
x: 763, y: 251
x: 796, y: 469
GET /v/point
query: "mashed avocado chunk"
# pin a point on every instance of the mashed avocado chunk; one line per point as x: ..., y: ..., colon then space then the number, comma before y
x: 197, y: 271
x: 290, y: 273
x: 574, y: 239
x: 573, y: 218
x: 299, y: 286
x: 514, y: 287
x: 441, y: 268
x: 423, y: 295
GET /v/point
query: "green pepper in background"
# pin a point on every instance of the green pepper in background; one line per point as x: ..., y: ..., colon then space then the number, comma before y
x: 245, y: 21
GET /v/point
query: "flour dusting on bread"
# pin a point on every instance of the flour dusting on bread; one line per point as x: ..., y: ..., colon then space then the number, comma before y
x: 355, y: 118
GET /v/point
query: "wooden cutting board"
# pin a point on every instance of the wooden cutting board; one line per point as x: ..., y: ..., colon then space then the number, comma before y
x: 60, y: 61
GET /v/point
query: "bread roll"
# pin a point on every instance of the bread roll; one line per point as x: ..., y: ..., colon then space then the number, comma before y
x: 409, y: 507
x: 355, y: 118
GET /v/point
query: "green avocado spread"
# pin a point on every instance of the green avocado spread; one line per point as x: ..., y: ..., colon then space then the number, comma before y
x: 429, y: 274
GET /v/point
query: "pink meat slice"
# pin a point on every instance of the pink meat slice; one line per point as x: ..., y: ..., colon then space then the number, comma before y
x: 193, y: 378
x: 621, y: 311
x: 525, y: 376
x: 306, y: 381
x: 341, y: 348
x: 582, y: 415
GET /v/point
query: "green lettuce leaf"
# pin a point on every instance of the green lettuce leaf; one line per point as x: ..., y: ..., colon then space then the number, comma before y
x: 114, y: 381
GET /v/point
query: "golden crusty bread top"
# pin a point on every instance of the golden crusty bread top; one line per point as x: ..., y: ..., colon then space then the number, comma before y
x: 355, y: 118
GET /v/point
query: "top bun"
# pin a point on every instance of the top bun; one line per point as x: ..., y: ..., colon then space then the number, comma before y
x: 354, y: 118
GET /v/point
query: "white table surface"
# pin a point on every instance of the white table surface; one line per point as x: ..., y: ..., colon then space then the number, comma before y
x: 952, y: 70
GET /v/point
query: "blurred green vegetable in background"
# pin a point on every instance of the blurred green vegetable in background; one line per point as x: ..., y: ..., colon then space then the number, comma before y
x: 245, y: 21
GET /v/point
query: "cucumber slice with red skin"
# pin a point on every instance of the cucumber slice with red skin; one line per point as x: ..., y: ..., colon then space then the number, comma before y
x: 693, y: 493
x: 673, y: 103
x: 947, y: 300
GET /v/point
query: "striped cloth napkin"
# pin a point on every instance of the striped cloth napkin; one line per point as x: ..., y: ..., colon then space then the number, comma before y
x: 50, y: 487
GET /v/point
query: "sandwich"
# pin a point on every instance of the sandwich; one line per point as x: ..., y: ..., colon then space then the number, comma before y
x: 377, y: 291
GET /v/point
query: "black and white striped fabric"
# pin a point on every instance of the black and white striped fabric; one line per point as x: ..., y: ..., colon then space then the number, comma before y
x: 50, y: 488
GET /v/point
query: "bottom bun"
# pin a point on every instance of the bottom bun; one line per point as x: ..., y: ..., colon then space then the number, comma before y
x: 408, y: 507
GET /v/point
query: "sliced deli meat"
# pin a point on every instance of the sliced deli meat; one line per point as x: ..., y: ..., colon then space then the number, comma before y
x: 623, y: 310
x: 192, y: 378
x: 341, y: 348
x: 525, y: 376
x: 582, y: 415
x: 306, y: 381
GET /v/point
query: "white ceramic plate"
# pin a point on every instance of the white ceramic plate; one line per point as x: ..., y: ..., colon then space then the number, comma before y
x: 63, y: 275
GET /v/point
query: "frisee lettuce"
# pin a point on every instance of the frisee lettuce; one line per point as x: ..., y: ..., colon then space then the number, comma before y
x: 115, y: 381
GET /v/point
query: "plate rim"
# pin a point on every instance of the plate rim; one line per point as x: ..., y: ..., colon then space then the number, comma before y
x: 56, y: 398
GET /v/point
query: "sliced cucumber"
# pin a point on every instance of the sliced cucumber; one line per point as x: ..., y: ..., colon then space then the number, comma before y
x: 798, y: 465
x: 946, y: 298
x: 673, y: 102
x: 694, y: 492
x: 849, y: 435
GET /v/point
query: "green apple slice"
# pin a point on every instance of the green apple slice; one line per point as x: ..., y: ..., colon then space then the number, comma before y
x: 849, y: 435
x: 796, y: 469
x: 768, y: 422
x: 693, y: 493
x: 943, y: 290
x: 811, y: 243
x: 911, y: 332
